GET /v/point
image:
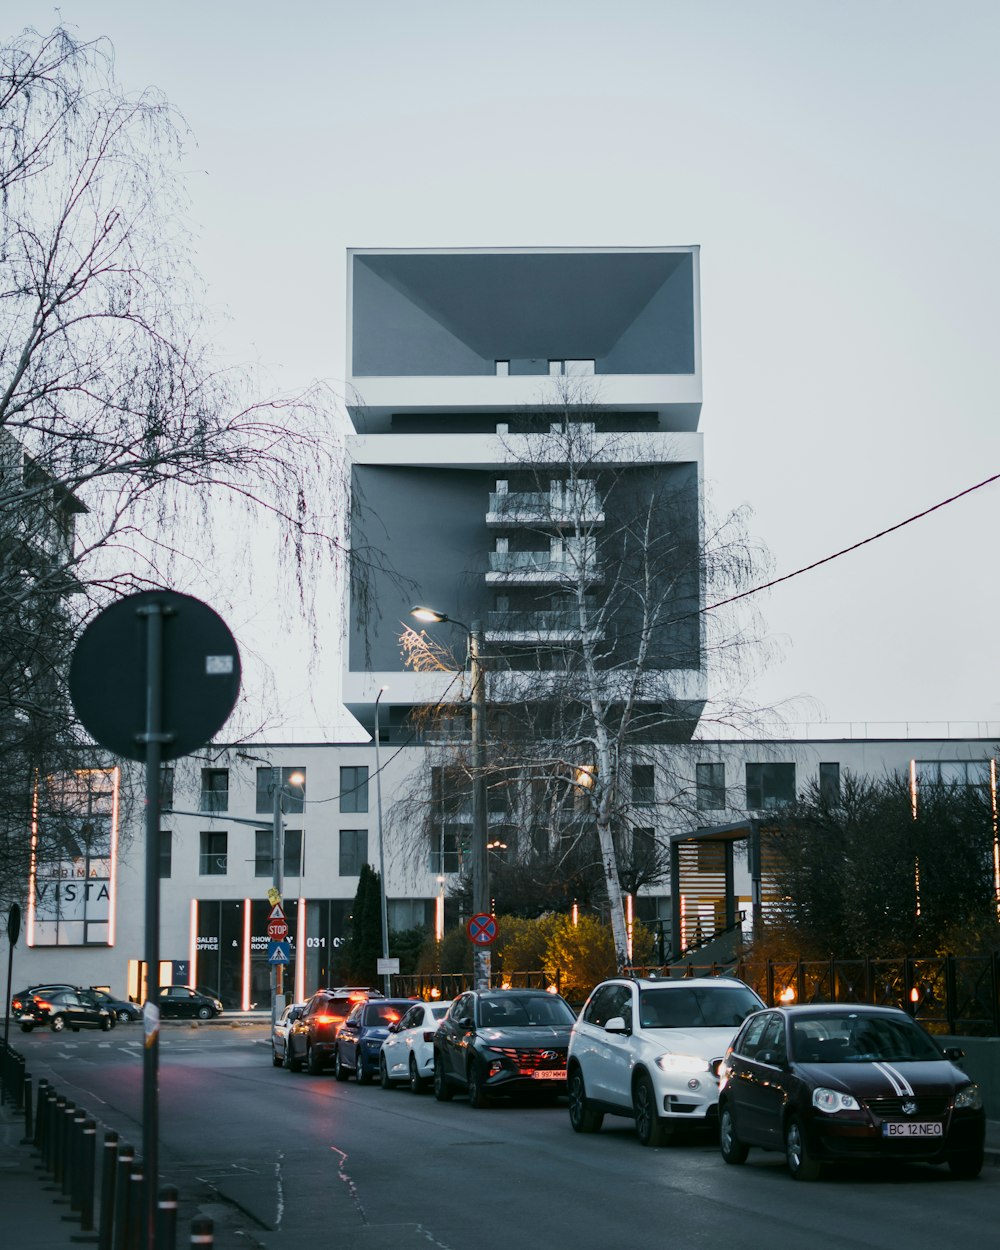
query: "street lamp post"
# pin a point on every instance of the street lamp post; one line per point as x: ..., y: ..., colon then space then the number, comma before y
x: 481, y: 902
x: 386, y: 977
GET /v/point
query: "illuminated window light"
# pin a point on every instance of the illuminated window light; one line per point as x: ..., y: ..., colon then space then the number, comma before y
x: 300, y: 953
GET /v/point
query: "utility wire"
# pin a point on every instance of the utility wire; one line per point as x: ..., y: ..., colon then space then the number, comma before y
x: 854, y: 546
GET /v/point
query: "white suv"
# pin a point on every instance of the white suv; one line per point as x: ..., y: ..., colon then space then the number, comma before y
x: 651, y: 1049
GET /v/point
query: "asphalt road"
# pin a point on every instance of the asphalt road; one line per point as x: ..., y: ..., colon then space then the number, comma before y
x: 297, y: 1156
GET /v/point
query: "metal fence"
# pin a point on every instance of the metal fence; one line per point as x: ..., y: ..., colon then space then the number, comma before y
x: 947, y: 994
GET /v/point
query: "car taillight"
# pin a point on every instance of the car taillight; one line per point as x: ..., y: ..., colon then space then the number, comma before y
x: 328, y: 1019
x: 40, y: 1002
x: 428, y: 1035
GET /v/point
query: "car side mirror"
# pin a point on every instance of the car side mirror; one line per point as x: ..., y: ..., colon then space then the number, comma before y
x: 394, y: 1028
x: 616, y: 1025
x: 466, y: 1022
x: 954, y: 1052
x: 773, y: 1057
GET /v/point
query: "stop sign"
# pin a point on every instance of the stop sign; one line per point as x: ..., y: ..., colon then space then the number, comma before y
x: 277, y: 930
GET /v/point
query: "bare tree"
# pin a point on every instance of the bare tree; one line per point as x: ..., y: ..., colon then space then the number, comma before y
x: 122, y: 445
x: 596, y: 652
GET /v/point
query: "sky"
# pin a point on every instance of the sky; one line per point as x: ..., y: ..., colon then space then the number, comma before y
x: 836, y: 163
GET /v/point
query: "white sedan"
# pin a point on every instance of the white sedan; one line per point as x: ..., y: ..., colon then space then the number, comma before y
x: 408, y: 1052
x: 280, y: 1031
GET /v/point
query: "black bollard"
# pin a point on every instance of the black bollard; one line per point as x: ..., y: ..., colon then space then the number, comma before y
x: 88, y: 1157
x: 126, y: 1156
x: 43, y: 1086
x: 109, y: 1165
x: 49, y: 1155
x: 136, y: 1208
x: 29, y: 1118
x: 202, y: 1231
x: 166, y: 1219
x: 58, y: 1138
x: 76, y: 1160
x: 68, y: 1145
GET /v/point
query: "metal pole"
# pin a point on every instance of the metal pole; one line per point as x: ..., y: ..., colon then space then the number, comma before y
x: 153, y: 614
x: 386, y: 988
x: 480, y: 861
x: 277, y: 867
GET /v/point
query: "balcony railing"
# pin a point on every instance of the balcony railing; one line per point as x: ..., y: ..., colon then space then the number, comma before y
x: 563, y: 625
x: 538, y: 566
x: 581, y: 506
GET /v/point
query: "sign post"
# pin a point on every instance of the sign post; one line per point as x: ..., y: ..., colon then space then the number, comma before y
x: 153, y: 677
x: 13, y: 933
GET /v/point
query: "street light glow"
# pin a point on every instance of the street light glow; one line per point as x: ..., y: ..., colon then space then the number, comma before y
x: 428, y: 614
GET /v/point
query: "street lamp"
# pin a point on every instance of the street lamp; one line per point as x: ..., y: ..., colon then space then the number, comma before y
x: 386, y: 977
x: 480, y: 858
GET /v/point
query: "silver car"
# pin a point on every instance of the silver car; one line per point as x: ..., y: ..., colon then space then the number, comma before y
x: 279, y: 1033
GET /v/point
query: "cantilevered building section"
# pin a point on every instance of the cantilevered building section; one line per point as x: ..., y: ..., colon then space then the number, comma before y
x: 510, y: 406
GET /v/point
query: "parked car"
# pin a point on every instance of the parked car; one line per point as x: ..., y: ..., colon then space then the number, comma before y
x: 360, y: 1037
x: 312, y: 1037
x: 502, y: 1042
x: 279, y: 1032
x: 121, y: 1010
x: 181, y: 1002
x: 651, y: 1050
x: 828, y: 1082
x: 408, y: 1052
x: 20, y: 998
x: 64, y: 1009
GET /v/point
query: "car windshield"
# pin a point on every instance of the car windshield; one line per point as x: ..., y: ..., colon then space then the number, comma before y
x: 856, y: 1037
x: 523, y: 1011
x: 696, y: 1006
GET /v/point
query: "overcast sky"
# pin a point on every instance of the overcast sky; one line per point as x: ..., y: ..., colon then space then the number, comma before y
x: 836, y: 162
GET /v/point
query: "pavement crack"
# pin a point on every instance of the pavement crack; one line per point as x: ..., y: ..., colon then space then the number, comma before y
x: 352, y: 1189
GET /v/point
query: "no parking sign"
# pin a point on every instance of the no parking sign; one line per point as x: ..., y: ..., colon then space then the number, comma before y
x: 482, y: 929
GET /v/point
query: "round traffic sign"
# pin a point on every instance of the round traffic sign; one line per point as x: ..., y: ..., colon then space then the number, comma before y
x: 482, y: 929
x: 200, y: 673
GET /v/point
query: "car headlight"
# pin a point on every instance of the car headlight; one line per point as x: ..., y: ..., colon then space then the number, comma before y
x: 969, y: 1099
x: 681, y: 1063
x: 831, y: 1100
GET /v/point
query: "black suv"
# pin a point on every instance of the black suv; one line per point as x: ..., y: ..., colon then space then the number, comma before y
x: 502, y: 1042
x: 313, y: 1037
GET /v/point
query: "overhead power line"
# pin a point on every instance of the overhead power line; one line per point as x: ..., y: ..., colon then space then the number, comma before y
x: 854, y: 546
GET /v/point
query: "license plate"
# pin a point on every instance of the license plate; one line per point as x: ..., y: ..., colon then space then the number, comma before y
x: 548, y: 1074
x: 892, y: 1128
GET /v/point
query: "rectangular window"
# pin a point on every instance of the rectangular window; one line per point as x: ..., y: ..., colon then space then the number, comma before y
x: 829, y: 783
x: 503, y: 368
x: 214, y: 853
x: 263, y: 858
x: 293, y: 795
x: 166, y: 849
x: 953, y: 772
x: 445, y: 851
x: 214, y: 790
x: 770, y: 786
x: 579, y: 368
x: 166, y: 787
x: 293, y: 852
x: 643, y: 784
x: 354, y: 788
x: 353, y: 851
x: 710, y: 786
x: 643, y: 847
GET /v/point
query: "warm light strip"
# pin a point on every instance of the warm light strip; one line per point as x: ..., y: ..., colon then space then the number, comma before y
x: 628, y: 925
x: 439, y: 917
x: 300, y: 954
x: 246, y: 955
x: 113, y: 901
x: 30, y: 937
x: 913, y: 788
x: 193, y: 943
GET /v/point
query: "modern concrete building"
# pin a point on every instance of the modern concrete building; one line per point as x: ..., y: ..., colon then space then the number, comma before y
x: 505, y: 402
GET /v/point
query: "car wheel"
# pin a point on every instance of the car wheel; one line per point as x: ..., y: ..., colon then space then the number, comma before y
x: 651, y: 1129
x: 442, y: 1090
x: 339, y: 1071
x: 582, y: 1116
x: 107, y: 1024
x: 362, y: 1074
x: 123, y: 1016
x: 57, y: 1024
x: 801, y: 1163
x: 474, y: 1084
x: 26, y: 1028
x: 314, y: 1063
x: 416, y: 1080
x: 291, y: 1063
x: 967, y: 1165
x: 276, y: 1061
x: 383, y: 1073
x: 733, y: 1150
x: 204, y: 1013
